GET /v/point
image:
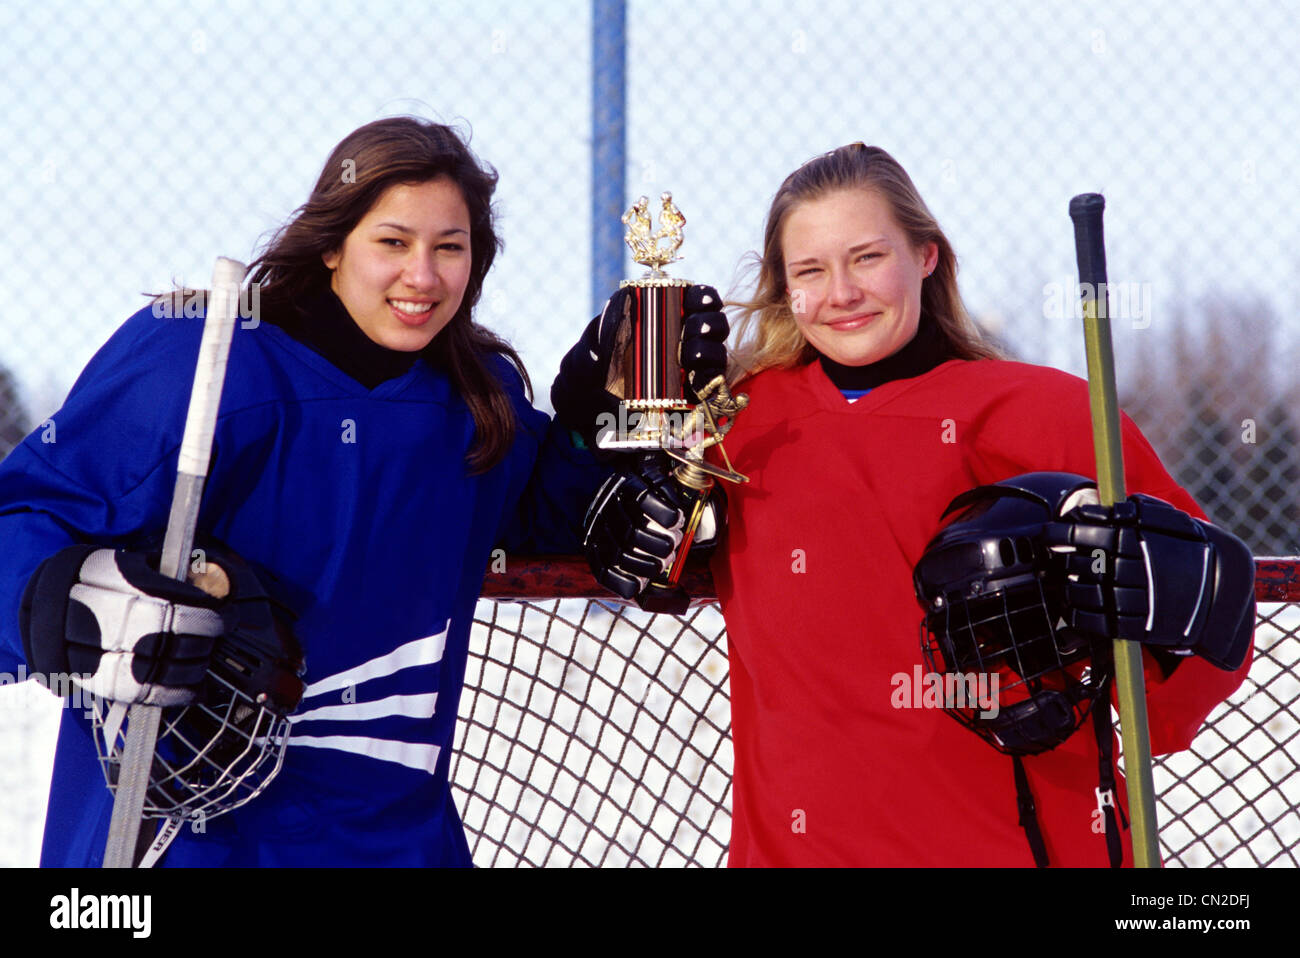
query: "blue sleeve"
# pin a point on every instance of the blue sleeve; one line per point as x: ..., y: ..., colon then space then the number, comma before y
x: 103, y: 467
x: 563, y: 481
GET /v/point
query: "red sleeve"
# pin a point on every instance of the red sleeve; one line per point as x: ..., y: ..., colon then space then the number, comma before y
x: 1043, y: 421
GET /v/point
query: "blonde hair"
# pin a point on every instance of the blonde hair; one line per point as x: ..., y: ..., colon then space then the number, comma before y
x: 767, y: 333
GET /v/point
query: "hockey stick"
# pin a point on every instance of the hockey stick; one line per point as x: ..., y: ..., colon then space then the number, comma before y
x: 195, y: 452
x: 1090, y: 248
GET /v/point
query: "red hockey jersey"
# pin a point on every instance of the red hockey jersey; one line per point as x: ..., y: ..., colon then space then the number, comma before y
x: 815, y: 584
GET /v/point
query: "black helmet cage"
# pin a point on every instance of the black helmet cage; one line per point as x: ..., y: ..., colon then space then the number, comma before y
x: 1013, y: 672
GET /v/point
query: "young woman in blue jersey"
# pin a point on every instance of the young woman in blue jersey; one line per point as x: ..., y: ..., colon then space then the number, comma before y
x: 374, y: 445
x: 873, y: 404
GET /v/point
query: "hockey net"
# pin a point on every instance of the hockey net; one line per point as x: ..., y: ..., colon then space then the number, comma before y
x: 593, y: 733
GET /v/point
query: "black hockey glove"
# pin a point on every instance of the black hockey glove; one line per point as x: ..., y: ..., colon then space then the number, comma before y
x: 589, y: 387
x: 704, y: 338
x: 124, y: 632
x: 1162, y: 577
x: 635, y: 526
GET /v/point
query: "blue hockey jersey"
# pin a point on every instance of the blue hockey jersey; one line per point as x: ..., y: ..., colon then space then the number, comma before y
x: 359, y: 502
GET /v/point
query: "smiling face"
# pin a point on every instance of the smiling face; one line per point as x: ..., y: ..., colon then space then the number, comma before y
x: 402, y: 271
x: 853, y: 277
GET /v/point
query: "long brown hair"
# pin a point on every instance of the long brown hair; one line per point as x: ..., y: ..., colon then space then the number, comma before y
x: 768, y: 335
x: 385, y: 153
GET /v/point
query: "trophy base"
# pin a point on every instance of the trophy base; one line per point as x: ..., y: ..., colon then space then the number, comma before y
x: 648, y: 424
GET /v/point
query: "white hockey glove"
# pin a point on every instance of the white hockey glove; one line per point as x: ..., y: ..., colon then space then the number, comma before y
x: 119, y: 629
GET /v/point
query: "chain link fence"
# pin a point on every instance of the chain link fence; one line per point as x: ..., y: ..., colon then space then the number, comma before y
x: 144, y: 138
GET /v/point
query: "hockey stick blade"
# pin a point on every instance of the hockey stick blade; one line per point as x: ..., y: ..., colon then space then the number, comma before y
x: 195, y: 452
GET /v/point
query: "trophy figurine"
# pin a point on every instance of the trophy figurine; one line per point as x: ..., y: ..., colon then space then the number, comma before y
x: 656, y: 409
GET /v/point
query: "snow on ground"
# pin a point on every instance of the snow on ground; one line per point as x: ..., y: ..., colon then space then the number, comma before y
x: 29, y: 722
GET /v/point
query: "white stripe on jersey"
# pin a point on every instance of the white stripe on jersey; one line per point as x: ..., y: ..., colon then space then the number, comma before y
x: 411, y: 706
x: 424, y: 651
x: 414, y: 755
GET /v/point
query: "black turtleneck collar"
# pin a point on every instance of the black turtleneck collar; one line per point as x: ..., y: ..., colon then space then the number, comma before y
x: 923, y: 352
x: 324, y: 324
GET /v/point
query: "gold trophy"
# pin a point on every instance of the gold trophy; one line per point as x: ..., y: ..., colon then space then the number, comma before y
x: 655, y: 412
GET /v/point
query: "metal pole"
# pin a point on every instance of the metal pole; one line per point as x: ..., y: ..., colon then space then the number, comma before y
x: 608, y: 146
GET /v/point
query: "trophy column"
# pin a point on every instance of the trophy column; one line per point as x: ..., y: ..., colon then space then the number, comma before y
x: 652, y: 372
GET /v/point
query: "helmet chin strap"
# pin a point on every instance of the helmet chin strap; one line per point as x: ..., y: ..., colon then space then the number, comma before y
x: 1107, y: 799
x: 1028, y: 814
x: 162, y: 841
x: 1107, y: 803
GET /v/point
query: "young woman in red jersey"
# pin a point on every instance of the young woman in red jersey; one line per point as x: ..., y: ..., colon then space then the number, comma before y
x: 874, y: 402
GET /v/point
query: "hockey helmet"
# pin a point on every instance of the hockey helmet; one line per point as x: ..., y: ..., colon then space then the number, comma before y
x: 991, y: 592
x: 222, y: 750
